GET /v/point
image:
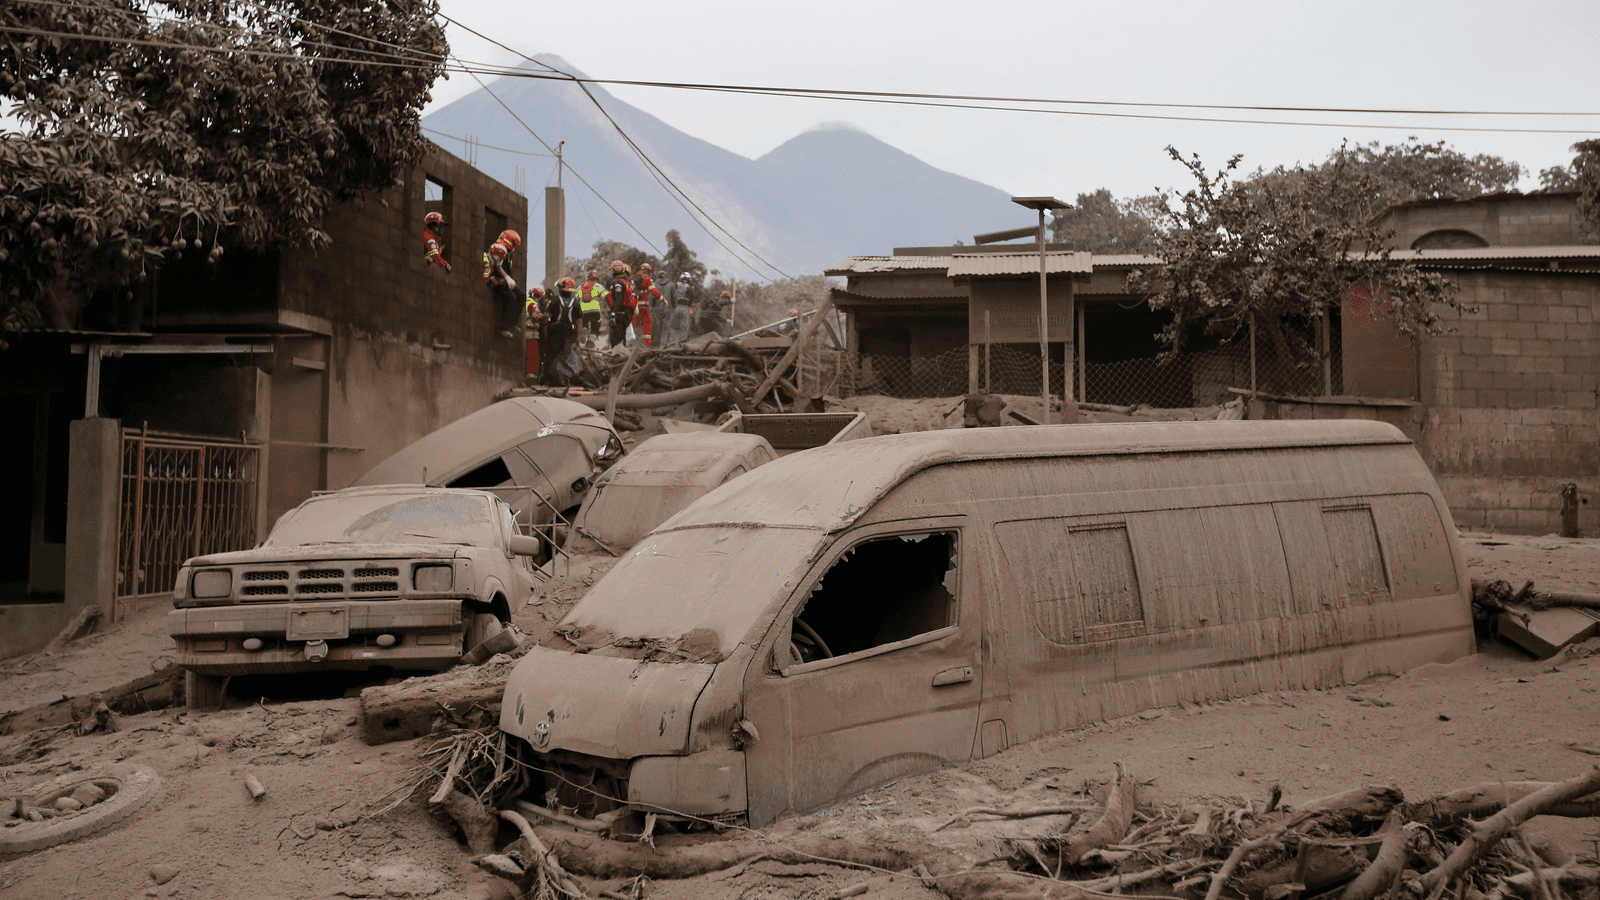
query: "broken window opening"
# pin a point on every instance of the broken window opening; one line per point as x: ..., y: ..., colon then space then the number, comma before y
x: 491, y: 474
x: 878, y: 592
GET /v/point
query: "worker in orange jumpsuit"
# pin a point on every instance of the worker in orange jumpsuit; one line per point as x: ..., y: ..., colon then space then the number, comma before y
x: 497, y: 274
x: 648, y: 298
x: 533, y: 319
x: 619, y: 294
x: 433, y: 225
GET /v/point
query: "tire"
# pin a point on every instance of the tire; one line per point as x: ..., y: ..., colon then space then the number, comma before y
x: 482, y: 627
x: 204, y: 691
x: 135, y: 787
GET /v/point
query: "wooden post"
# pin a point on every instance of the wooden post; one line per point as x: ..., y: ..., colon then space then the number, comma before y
x: 800, y: 339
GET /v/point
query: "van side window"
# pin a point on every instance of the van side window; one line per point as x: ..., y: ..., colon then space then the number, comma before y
x: 880, y: 591
x: 1353, y: 541
x: 1079, y: 577
x: 1416, y: 545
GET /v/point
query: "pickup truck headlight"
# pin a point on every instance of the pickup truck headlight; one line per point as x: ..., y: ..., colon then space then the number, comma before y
x: 212, y: 583
x: 432, y: 579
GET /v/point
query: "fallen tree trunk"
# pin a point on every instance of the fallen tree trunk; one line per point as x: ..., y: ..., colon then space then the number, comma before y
x: 1112, y: 825
x: 154, y: 691
x: 1488, y: 798
x: 398, y: 712
x: 651, y: 401
x: 1486, y: 834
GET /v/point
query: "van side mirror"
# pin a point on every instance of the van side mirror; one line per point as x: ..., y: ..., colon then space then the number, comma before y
x: 522, y: 545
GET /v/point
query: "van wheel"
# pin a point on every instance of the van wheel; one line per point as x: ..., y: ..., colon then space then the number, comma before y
x: 204, y: 691
x: 482, y: 627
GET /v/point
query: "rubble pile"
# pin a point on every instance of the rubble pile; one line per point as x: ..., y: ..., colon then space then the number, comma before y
x: 756, y: 372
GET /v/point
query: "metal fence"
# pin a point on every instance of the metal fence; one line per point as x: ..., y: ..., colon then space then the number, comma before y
x: 181, y: 497
x: 1189, y: 379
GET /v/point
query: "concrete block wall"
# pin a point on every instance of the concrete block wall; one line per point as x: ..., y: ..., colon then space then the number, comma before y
x: 1506, y: 220
x: 374, y: 276
x: 1511, y: 396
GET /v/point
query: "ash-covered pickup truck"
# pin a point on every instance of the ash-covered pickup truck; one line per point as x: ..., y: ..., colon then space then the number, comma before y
x: 402, y: 576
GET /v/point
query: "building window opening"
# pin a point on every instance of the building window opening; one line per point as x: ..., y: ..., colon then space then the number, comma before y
x: 880, y: 591
x: 433, y: 191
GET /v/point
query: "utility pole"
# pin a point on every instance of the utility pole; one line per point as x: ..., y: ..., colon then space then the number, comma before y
x: 555, y: 227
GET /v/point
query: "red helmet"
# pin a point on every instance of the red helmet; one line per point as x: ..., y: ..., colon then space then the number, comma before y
x: 728, y: 295
x: 536, y: 291
x: 620, y: 266
x: 644, y: 268
x: 498, y: 250
x: 591, y: 275
x: 567, y: 283
x: 433, y: 218
x: 510, y: 239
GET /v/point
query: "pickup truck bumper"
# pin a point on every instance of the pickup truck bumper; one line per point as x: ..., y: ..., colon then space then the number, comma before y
x: 310, y: 637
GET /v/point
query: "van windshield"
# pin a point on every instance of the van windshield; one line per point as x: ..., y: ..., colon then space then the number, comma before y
x: 689, y: 596
x: 433, y: 518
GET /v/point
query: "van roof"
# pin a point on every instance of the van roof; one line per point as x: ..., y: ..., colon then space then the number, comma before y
x: 828, y: 488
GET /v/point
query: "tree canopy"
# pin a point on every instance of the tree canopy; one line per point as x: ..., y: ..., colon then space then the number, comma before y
x: 1281, y: 252
x: 1100, y: 223
x: 151, y: 129
x: 681, y: 260
x: 607, y: 252
x: 1586, y: 179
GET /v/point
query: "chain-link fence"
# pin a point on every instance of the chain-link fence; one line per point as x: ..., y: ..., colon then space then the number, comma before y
x: 1188, y: 379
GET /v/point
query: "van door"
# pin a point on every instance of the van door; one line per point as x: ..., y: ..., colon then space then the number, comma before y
x: 870, y: 672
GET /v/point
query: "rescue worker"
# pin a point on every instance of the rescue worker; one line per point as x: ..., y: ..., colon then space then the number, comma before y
x: 497, y: 274
x: 533, y: 318
x: 619, y: 296
x: 563, y: 317
x: 649, y: 298
x: 433, y: 225
x: 680, y: 312
x: 589, y: 297
x: 713, y: 316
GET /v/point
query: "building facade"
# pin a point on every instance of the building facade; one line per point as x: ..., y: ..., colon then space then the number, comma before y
x: 230, y: 393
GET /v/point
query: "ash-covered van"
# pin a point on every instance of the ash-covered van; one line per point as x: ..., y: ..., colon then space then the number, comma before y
x: 851, y: 614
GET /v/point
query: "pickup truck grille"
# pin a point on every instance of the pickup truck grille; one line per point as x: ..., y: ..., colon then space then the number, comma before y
x: 320, y: 582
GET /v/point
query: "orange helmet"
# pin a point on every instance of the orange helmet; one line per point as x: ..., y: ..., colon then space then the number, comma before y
x: 644, y: 268
x: 536, y: 291
x: 510, y: 239
x: 728, y: 295
x: 498, y: 250
x: 567, y: 283
x: 620, y: 266
x: 433, y: 218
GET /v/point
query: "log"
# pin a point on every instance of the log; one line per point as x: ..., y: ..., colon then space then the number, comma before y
x: 794, y: 350
x: 1547, y: 599
x: 1491, y: 797
x: 1486, y: 834
x: 397, y: 712
x: 80, y: 623
x: 651, y: 401
x: 1113, y: 824
x: 153, y: 691
x: 616, y: 383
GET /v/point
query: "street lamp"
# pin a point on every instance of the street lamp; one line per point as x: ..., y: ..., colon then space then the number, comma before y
x: 1041, y: 204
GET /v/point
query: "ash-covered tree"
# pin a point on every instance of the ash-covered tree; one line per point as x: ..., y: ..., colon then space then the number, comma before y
x: 153, y: 129
x: 1400, y: 173
x: 680, y: 260
x: 1100, y: 223
x: 1586, y: 179
x: 1282, y: 252
x: 607, y: 252
x: 760, y: 304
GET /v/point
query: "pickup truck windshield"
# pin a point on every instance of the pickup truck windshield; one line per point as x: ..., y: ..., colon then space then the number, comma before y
x: 697, y: 593
x: 389, y: 519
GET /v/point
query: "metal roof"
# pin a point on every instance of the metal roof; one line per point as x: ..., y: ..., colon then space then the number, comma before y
x: 1560, y: 251
x: 1057, y: 262
x: 828, y: 488
x: 855, y: 265
x: 1112, y: 260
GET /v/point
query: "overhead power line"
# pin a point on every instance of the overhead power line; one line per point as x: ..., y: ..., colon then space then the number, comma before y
x: 654, y: 170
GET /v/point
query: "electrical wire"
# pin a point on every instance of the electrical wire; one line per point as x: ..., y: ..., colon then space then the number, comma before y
x: 463, y: 140
x: 651, y: 167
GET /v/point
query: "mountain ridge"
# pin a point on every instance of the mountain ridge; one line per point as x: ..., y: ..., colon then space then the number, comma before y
x: 831, y: 191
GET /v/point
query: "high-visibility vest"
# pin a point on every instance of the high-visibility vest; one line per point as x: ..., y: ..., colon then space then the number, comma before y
x: 589, y: 296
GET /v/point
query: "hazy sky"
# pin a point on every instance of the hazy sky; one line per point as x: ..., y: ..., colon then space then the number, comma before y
x: 1465, y: 55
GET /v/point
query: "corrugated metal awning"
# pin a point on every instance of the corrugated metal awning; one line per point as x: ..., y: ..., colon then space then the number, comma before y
x: 855, y: 265
x: 979, y: 265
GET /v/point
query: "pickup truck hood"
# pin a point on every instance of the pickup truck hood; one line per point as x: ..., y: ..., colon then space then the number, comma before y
x: 326, y: 551
x: 602, y: 705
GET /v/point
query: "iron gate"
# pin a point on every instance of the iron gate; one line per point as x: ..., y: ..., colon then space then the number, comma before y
x: 181, y: 497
